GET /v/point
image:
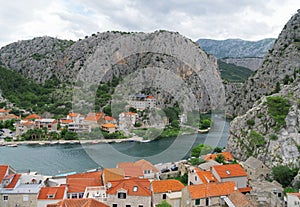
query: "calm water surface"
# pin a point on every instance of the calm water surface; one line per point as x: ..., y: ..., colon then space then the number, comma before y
x: 61, y: 158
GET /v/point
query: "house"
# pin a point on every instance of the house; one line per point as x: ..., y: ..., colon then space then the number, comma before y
x: 77, y: 183
x: 208, y: 164
x: 293, y: 199
x: 75, y: 117
x: 96, y: 192
x: 94, y: 119
x: 169, y: 190
x: 50, y: 124
x: 130, y: 170
x: 9, y: 117
x: 209, y: 194
x: 133, y: 192
x: 149, y: 170
x: 228, y: 158
x: 4, y: 112
x: 51, y: 195
x: 197, y: 176
x: 127, y: 120
x: 237, y: 199
x: 112, y: 174
x: 110, y: 128
x: 16, y: 193
x: 232, y: 172
x: 109, y: 120
x: 32, y: 117
x: 23, y: 126
x: 256, y: 168
x: 79, y: 202
x: 142, y: 101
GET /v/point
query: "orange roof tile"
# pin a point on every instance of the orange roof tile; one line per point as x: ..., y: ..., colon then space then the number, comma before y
x: 133, y: 186
x: 14, y: 182
x: 66, y: 121
x: 57, y: 192
x: 111, y: 174
x: 206, y: 176
x: 109, y: 125
x: 73, y: 114
x: 240, y: 200
x: 227, y: 155
x: 3, y: 171
x: 133, y: 171
x: 211, y: 190
x: 78, y: 182
x: 150, y: 97
x: 80, y: 202
x: 231, y: 170
x: 32, y: 116
x: 94, y: 116
x: 109, y: 118
x: 163, y: 186
x: 4, y: 110
x: 125, y: 164
x: 245, y: 190
x: 146, y: 165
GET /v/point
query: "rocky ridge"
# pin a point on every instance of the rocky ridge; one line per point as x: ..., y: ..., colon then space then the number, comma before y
x: 251, y: 63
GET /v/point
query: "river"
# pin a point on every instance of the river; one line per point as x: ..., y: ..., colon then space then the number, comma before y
x: 61, y: 158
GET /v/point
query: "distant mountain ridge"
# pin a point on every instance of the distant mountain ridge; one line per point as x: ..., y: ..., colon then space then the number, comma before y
x: 236, y: 48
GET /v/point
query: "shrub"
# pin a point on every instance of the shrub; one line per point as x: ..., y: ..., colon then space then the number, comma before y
x: 283, y: 174
x: 256, y: 139
x: 201, y: 149
x: 273, y: 137
x: 196, y: 161
x: 250, y: 122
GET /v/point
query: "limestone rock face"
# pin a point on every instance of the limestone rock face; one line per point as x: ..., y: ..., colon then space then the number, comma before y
x: 168, y: 57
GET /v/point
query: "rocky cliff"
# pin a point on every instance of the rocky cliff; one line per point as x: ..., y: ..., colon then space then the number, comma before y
x: 251, y: 63
x: 268, y: 105
x: 102, y: 56
x: 236, y: 48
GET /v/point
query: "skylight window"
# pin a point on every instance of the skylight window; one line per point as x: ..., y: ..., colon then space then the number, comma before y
x: 228, y: 172
x: 135, y: 188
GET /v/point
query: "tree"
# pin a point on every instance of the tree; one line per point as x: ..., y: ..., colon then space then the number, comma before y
x: 164, y: 204
x: 201, y: 149
x: 218, y: 149
x: 220, y: 158
x: 283, y: 174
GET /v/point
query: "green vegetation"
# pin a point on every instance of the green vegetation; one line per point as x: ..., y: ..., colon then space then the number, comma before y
x: 278, y: 108
x: 256, y: 139
x: 273, y: 137
x: 217, y: 149
x: 233, y: 73
x: 164, y: 204
x: 220, y: 158
x: 8, y: 124
x: 196, y: 161
x: 201, y: 149
x: 284, y: 175
x: 201, y: 121
x: 38, y: 57
x: 183, y: 179
x: 250, y: 122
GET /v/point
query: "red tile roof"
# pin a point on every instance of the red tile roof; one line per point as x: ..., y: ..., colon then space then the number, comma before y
x: 211, y: 190
x: 112, y: 174
x: 206, y: 176
x: 108, y: 118
x: 163, y: 186
x: 240, y: 200
x: 145, y: 165
x: 32, y: 116
x: 3, y: 171
x: 227, y: 155
x: 14, y: 181
x: 109, y: 125
x: 245, y: 190
x: 231, y: 170
x: 130, y: 170
x: 133, y: 186
x: 57, y: 192
x: 94, y: 116
x: 66, y: 121
x: 80, y: 202
x: 125, y: 164
x: 73, y: 114
x: 78, y: 182
x: 295, y: 194
x: 4, y: 110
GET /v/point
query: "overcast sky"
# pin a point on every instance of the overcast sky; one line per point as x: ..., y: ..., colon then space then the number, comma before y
x: 74, y: 19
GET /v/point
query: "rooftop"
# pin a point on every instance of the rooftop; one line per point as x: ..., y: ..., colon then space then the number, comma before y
x: 133, y: 186
x: 112, y: 174
x: 164, y: 186
x: 211, y: 189
x: 81, y: 202
x: 57, y: 192
x: 231, y: 170
x: 78, y: 182
x: 14, y: 181
x: 240, y: 200
x: 227, y: 155
x: 206, y: 176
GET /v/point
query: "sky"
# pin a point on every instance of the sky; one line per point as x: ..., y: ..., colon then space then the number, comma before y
x: 213, y: 19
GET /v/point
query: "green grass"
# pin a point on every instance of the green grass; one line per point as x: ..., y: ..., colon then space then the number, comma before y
x: 233, y: 73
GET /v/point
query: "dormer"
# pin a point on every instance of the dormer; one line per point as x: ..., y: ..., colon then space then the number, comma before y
x: 7, y: 180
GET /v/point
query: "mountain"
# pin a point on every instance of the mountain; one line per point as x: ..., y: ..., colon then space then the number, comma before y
x: 162, y: 59
x: 236, y: 48
x: 252, y: 63
x: 268, y: 105
x: 233, y: 73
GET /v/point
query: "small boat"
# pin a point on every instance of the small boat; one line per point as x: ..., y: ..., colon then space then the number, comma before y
x: 145, y: 141
x: 12, y: 145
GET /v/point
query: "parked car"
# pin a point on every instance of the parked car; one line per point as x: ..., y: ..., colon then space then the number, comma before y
x: 174, y: 168
x: 165, y: 170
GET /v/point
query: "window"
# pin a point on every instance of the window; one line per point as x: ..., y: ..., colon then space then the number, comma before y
x: 50, y: 196
x: 115, y: 205
x: 135, y: 188
x: 128, y: 205
x: 164, y: 196
x: 81, y: 195
x: 195, y: 178
x: 141, y: 206
x: 197, y: 202
x: 74, y: 195
x: 25, y: 198
x: 5, y: 198
x: 122, y: 195
x: 207, y: 201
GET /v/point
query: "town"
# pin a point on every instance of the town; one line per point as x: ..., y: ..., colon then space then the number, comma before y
x: 227, y: 183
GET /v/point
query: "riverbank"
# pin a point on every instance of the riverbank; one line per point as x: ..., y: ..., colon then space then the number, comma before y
x: 93, y: 141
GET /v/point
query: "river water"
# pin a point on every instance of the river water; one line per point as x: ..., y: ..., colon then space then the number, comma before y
x: 61, y: 158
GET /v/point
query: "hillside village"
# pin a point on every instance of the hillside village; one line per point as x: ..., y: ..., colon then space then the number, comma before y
x: 142, y: 184
x: 37, y: 127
